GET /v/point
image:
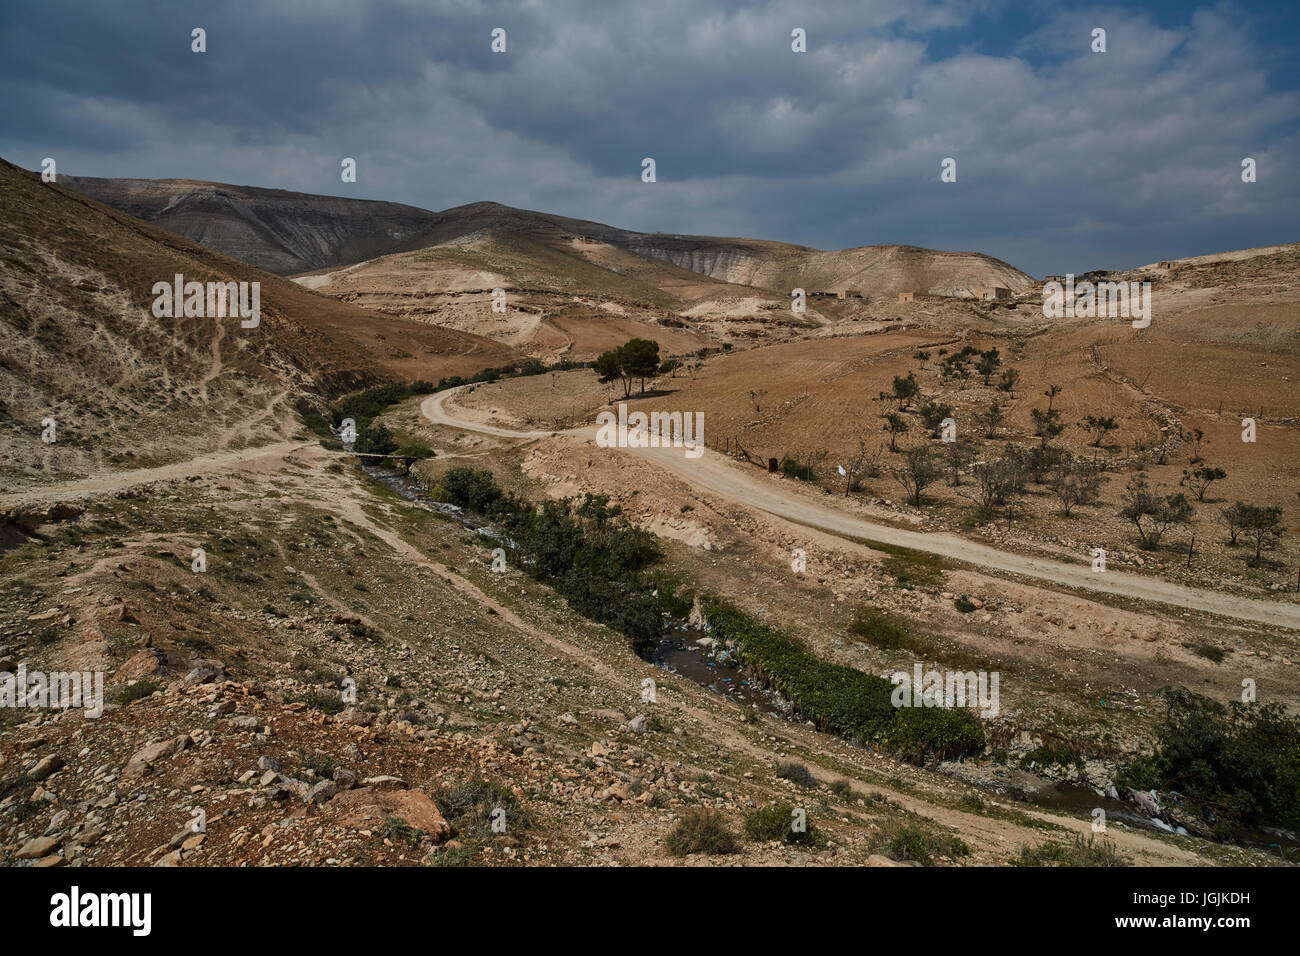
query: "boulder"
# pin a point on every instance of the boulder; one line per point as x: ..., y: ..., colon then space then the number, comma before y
x: 36, y: 848
x: 45, y: 767
x: 139, y: 666
x: 367, y: 808
x: 143, y: 760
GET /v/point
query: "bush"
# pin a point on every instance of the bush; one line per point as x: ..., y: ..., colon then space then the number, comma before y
x: 941, y: 732
x: 138, y: 691
x: 473, y: 490
x: 587, y: 550
x: 964, y: 604
x: 913, y: 569
x: 843, y: 789
x: 324, y: 701
x: 776, y: 823
x: 793, y: 469
x: 918, y: 846
x: 1081, y: 852
x: 797, y: 773
x: 1233, y: 766
x: 375, y: 440
x: 932, y: 415
x: 836, y: 698
x: 701, y: 830
x: 469, y: 806
x: 842, y: 699
x: 880, y: 630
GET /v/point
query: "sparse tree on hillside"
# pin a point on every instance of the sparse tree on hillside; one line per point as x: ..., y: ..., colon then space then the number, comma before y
x: 635, y: 359
x: 608, y: 367
x: 896, y: 425
x: 865, y: 463
x: 1047, y: 424
x: 995, y: 483
x: 1234, y: 517
x: 1051, y: 393
x: 990, y: 419
x: 640, y: 358
x: 956, y: 366
x: 988, y: 364
x: 1075, y: 482
x: 1199, y: 479
x: 1152, y: 513
x: 906, y: 388
x: 1263, y: 525
x: 957, y: 455
x: 1008, y: 380
x: 1098, y: 425
x: 917, y: 471
x: 932, y: 415
x: 756, y: 395
x: 1040, y: 461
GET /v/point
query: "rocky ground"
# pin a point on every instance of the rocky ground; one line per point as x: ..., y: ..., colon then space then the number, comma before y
x: 230, y: 690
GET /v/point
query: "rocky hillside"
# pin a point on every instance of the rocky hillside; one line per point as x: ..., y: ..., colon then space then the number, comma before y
x: 79, y: 343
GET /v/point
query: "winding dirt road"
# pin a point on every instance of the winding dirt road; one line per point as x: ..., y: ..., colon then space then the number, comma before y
x: 720, y: 476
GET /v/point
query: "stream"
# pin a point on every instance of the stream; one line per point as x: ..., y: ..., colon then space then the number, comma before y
x: 689, y: 652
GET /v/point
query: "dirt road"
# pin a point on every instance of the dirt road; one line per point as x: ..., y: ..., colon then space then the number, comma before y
x: 720, y: 476
x: 118, y: 480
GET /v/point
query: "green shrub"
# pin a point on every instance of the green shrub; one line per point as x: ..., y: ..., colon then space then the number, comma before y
x: 586, y: 549
x: 791, y: 468
x: 843, y: 789
x: 842, y: 699
x: 776, y: 822
x: 700, y: 830
x: 880, y: 630
x: 322, y: 765
x: 1089, y: 852
x: 964, y: 604
x: 940, y: 732
x: 914, y: 569
x: 919, y: 846
x: 836, y: 698
x: 138, y: 691
x: 1060, y: 753
x: 1211, y: 652
x: 324, y: 701
x: 1233, y: 766
x: 468, y: 807
x: 473, y: 490
x: 375, y: 440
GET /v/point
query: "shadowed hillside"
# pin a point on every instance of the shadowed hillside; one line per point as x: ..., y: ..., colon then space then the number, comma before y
x: 80, y: 344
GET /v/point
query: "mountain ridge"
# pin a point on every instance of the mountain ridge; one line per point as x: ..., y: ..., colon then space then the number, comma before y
x: 291, y: 232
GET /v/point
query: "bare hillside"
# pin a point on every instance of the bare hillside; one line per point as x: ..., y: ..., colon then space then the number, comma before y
x: 81, y: 346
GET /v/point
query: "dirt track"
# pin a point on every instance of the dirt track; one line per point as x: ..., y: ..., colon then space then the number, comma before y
x: 718, y: 475
x: 116, y: 481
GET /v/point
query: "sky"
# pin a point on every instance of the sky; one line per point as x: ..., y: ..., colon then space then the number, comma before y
x: 1066, y: 159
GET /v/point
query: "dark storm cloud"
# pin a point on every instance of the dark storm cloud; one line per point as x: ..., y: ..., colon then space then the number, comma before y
x: 1066, y: 159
